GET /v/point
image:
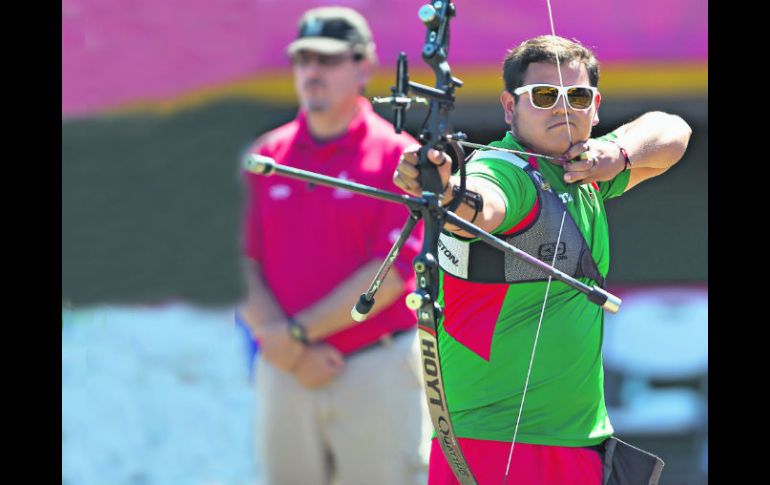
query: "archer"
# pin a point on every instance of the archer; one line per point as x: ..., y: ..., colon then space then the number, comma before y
x: 521, y: 354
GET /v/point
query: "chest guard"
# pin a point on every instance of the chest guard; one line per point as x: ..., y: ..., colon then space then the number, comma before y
x: 481, y: 263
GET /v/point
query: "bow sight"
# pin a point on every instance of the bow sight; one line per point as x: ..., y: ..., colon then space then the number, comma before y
x: 435, y: 131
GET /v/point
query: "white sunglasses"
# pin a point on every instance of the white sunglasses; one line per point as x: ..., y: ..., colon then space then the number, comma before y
x: 545, y: 96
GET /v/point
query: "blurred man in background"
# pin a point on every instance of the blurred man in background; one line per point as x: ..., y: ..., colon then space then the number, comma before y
x: 337, y: 399
x: 499, y: 311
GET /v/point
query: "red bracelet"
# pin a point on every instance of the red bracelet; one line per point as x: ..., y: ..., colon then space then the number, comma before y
x: 626, y: 158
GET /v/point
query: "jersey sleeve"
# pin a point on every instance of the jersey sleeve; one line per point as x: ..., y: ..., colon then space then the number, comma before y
x: 615, y: 187
x: 519, y: 192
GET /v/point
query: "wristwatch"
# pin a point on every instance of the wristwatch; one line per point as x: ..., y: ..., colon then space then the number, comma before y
x: 297, y: 331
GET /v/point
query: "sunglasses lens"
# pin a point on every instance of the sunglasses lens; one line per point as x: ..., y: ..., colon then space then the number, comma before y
x: 303, y: 59
x: 544, y: 96
x: 580, y: 98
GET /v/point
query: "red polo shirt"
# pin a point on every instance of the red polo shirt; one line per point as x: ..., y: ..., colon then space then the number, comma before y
x: 309, y: 238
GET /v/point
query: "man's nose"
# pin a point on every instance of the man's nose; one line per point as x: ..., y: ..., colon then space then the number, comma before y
x: 314, y: 66
x: 561, y: 106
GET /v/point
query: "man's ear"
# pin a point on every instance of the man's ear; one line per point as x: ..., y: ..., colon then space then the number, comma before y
x: 509, y: 105
x: 597, y: 102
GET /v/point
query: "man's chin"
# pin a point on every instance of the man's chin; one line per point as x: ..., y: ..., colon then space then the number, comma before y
x: 316, y: 106
x: 556, y: 146
x: 553, y: 144
x: 551, y: 149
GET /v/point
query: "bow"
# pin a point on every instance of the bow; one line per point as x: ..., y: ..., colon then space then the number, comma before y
x: 436, y: 133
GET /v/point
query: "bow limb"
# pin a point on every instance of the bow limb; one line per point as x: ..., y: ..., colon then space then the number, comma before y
x: 435, y: 133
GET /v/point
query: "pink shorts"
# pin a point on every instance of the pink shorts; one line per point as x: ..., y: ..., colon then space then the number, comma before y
x: 530, y: 464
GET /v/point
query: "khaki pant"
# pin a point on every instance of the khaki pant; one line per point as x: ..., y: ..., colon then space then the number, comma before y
x: 370, y: 426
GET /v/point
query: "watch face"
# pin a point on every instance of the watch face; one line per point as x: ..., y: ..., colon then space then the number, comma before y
x: 297, y: 332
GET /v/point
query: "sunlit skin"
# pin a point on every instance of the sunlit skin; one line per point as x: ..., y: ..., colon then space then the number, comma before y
x: 545, y: 131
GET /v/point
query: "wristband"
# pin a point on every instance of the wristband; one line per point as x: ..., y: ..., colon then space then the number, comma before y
x: 297, y: 331
x: 471, y: 199
x: 624, y: 153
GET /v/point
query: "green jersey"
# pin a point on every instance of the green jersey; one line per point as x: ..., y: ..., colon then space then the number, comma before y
x: 487, y: 331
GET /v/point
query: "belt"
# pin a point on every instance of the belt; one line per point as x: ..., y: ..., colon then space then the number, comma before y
x: 386, y: 340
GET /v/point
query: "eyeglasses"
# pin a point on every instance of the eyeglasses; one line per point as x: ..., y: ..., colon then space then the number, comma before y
x: 325, y: 60
x: 545, y: 96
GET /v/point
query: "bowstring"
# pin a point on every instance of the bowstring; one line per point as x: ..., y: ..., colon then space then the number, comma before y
x: 553, y: 263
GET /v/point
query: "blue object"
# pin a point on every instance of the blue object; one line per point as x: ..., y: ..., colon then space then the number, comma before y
x: 252, y: 347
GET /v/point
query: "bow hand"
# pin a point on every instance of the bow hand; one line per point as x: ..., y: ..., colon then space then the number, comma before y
x: 407, y: 175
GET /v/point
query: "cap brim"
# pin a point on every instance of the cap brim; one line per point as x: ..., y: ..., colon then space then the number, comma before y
x: 324, y: 45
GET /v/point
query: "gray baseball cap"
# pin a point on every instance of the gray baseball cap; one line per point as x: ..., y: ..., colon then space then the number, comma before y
x: 332, y: 30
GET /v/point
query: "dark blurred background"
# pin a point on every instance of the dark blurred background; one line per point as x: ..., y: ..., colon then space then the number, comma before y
x: 151, y: 204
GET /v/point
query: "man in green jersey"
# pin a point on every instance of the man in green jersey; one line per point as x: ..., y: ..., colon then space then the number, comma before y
x: 521, y: 355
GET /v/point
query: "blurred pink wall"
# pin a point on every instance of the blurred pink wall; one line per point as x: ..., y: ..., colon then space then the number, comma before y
x: 118, y: 51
